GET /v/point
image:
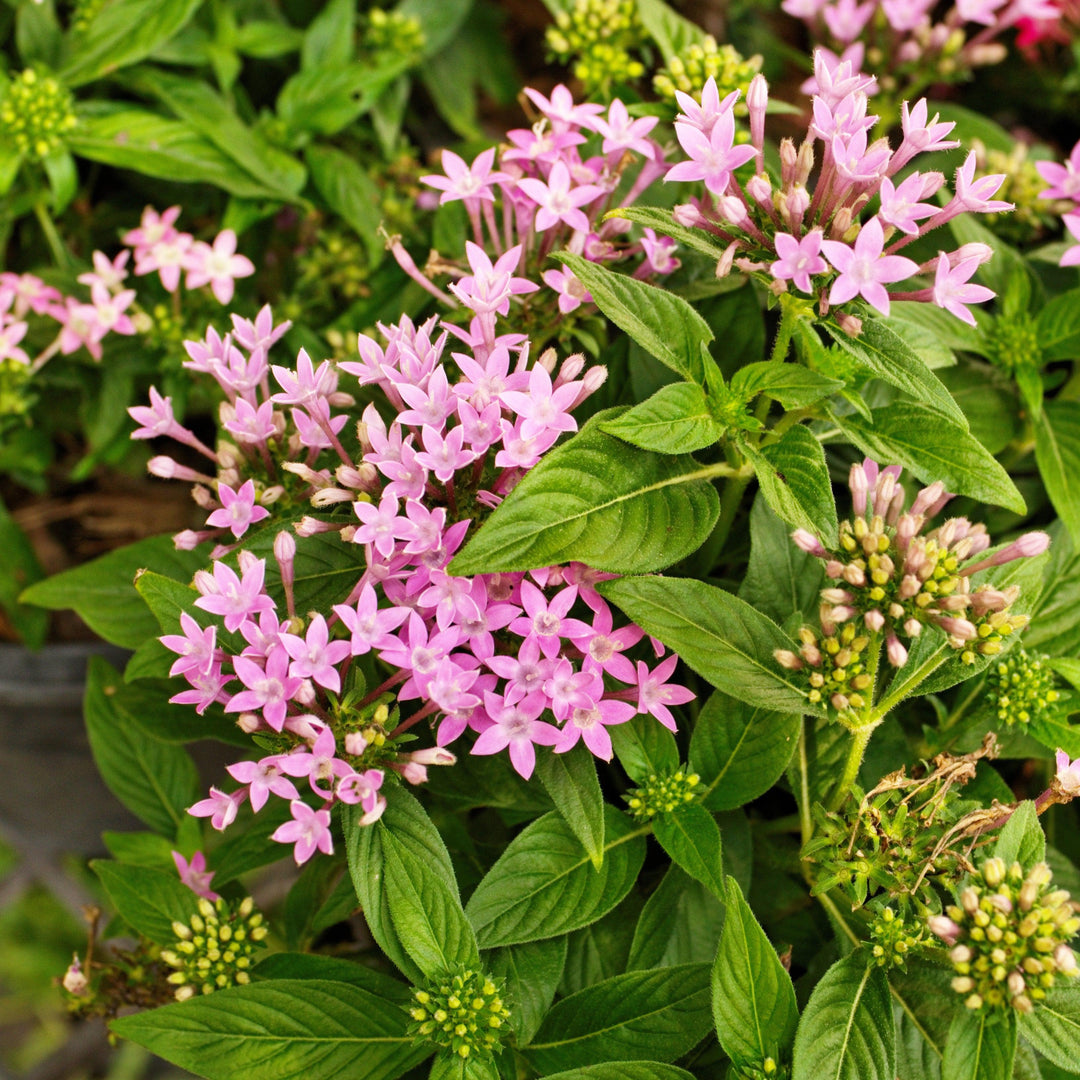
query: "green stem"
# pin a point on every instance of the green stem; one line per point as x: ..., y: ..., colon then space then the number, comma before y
x: 860, y: 737
x: 788, y: 319
x: 48, y: 227
x: 898, y: 690
x: 805, y: 819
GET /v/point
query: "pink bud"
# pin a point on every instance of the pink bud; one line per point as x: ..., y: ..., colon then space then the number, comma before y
x: 249, y: 723
x: 75, y: 982
x: 760, y: 190
x: 896, y: 653
x: 944, y: 928
x: 433, y: 755
x: 688, y: 216
x: 874, y: 620
x: 414, y: 773
x: 808, y: 542
x: 860, y: 489
x: 355, y: 744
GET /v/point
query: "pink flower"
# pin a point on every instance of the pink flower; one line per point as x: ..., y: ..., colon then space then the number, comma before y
x: 168, y: 257
x: 309, y: 831
x: 900, y: 206
x: 217, y: 266
x: 194, y: 874
x: 864, y: 271
x: 655, y: 694
x: 235, y: 598
x: 156, y: 419
x: 219, y: 808
x: 516, y: 726
x: 572, y: 294
x: 622, y: 133
x: 561, y: 110
x: 10, y: 336
x: 1072, y: 255
x: 705, y: 115
x: 153, y: 228
x: 363, y: 788
x: 1068, y: 773
x: 543, y: 408
x: 590, y: 726
x: 951, y: 292
x: 370, y: 627
x: 107, y: 272
x: 318, y: 763
x: 270, y: 688
x: 381, y: 525
x: 238, y: 510
x: 847, y: 19
x: 547, y: 622
x: 712, y: 158
x: 262, y: 778
x: 557, y: 201
x: 976, y: 194
x: 466, y: 181
x: 197, y: 647
x: 490, y: 286
x: 1064, y: 180
x: 798, y: 259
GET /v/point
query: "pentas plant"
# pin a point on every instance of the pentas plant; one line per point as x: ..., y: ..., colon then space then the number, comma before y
x: 912, y: 44
x: 808, y: 231
x: 517, y: 660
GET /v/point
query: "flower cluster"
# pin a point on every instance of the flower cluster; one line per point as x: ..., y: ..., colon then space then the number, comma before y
x: 701, y: 62
x: 1020, y: 687
x: 36, y: 114
x: 544, y: 196
x: 912, y: 42
x: 1008, y: 937
x: 158, y: 247
x: 519, y: 659
x: 463, y: 1012
x: 213, y: 949
x: 392, y: 32
x: 600, y: 38
x: 1033, y: 213
x: 892, y: 582
x: 1064, y: 181
x: 661, y: 793
x: 810, y: 234
x: 893, y: 938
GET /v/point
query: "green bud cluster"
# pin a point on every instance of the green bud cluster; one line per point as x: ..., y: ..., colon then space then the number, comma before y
x: 84, y: 13
x: 1014, y: 342
x: 36, y: 114
x: 893, y: 938
x: 462, y: 1012
x: 214, y: 948
x: 1032, y: 215
x: 689, y: 71
x: 598, y: 38
x: 662, y: 793
x: 336, y: 263
x: 1021, y: 687
x: 834, y: 666
x: 1009, y: 936
x: 392, y: 32
x: 14, y: 382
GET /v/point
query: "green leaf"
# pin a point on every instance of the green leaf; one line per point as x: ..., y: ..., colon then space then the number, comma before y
x: 659, y: 1013
x: 644, y: 747
x: 532, y: 972
x: 925, y: 443
x: 624, y: 1070
x: 285, y: 1029
x: 440, y: 20
x: 1058, y: 327
x: 208, y: 113
x: 267, y: 39
x: 951, y: 332
x: 1022, y: 839
x: 794, y: 479
x: 988, y: 399
x: 598, y: 501
x: 1054, y: 1027
x: 572, y: 783
x: 324, y: 101
x: 753, y: 999
x: 675, y: 420
x: 156, y: 782
x: 328, y: 39
x: 426, y: 911
x: 720, y: 636
x: 794, y: 386
x: 885, y: 354
x: 980, y: 1047
x: 663, y: 223
x: 846, y: 1032
x: 386, y: 850
x: 248, y: 846
x: 287, y: 965
x: 141, y: 849
x: 63, y: 178
x: 102, y: 592
x: 691, y: 837
x: 20, y: 568
x: 1029, y: 383
x: 739, y: 751
x: 122, y: 33
x: 350, y: 192
x: 148, y: 900
x: 668, y: 29
x: 781, y: 579
x: 1057, y: 452
x: 664, y: 324
x: 544, y: 885
x: 153, y: 145
x: 679, y: 924
x: 449, y: 1066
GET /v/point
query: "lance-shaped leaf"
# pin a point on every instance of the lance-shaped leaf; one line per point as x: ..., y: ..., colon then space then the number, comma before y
x: 888, y: 357
x: 572, y: 783
x: 598, y: 501
x: 1057, y: 452
x: 846, y: 1032
x: 148, y: 900
x: 1053, y: 1028
x: 720, y: 636
x: 792, y: 385
x: 691, y: 837
x: 1022, y: 839
x: 980, y: 1047
x: 662, y: 323
x: 675, y: 420
x: 933, y: 448
x: 753, y: 1000
x: 624, y: 1070
x: 281, y: 1029
x: 1058, y: 327
x: 659, y: 1013
x: 532, y: 973
x: 544, y: 884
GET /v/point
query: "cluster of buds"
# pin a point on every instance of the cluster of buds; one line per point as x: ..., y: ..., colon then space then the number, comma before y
x: 810, y: 233
x: 1008, y: 937
x: 911, y: 42
x: 36, y: 114
x: 839, y: 674
x: 1024, y: 187
x: 702, y: 61
x: 600, y: 38
x: 893, y: 582
x: 1021, y: 687
x: 214, y: 948
x: 462, y: 1012
x: 393, y: 32
x: 1064, y: 181
x: 661, y: 793
x: 894, y: 938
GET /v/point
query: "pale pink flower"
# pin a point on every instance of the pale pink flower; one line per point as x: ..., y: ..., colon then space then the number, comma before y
x: 217, y: 266
x: 463, y: 181
x: 712, y: 158
x: 558, y: 201
x: 951, y: 290
x: 195, y: 875
x: 516, y: 726
x: 864, y: 271
x: 798, y: 259
x: 239, y: 510
x: 1068, y: 773
x: 314, y: 656
x: 220, y: 808
x: 309, y: 831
